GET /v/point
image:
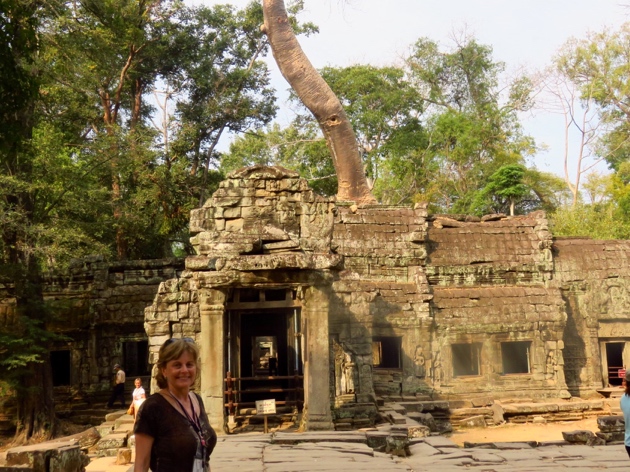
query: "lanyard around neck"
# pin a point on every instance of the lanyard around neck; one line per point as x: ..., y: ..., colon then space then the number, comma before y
x: 194, y: 421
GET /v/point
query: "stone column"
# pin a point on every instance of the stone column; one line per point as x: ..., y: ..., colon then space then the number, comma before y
x: 317, y: 413
x: 211, y: 309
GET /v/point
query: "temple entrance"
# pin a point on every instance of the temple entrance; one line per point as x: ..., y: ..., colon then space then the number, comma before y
x: 615, y: 362
x: 263, y: 356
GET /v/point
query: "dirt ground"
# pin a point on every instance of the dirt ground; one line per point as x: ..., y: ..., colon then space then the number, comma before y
x: 523, y: 432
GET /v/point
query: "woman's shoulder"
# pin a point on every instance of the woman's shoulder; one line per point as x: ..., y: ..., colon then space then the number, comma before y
x: 154, y: 401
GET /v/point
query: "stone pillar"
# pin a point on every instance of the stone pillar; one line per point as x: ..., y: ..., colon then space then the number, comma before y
x: 211, y: 308
x: 317, y: 412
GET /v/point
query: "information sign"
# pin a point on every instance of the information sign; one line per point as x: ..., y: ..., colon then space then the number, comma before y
x: 266, y: 407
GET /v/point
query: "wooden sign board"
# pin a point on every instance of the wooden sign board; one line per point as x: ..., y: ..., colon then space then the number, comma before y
x: 266, y: 407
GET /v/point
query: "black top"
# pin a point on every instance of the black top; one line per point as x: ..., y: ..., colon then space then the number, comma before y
x: 174, y: 439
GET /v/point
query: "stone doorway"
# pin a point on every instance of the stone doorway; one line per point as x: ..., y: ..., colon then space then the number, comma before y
x: 263, y: 356
x: 616, y: 358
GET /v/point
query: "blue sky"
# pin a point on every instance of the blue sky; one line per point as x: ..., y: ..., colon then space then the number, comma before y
x: 523, y: 34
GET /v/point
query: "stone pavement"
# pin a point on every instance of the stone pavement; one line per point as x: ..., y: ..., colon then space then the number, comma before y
x: 348, y: 451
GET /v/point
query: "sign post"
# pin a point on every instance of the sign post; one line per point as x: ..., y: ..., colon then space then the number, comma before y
x: 266, y: 407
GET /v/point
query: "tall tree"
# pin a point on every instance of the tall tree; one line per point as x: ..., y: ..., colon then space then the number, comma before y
x: 471, y: 121
x: 599, y: 66
x: 112, y: 52
x: 575, y: 99
x: 24, y: 365
x: 222, y: 84
x: 110, y: 56
x: 385, y: 113
x: 320, y: 100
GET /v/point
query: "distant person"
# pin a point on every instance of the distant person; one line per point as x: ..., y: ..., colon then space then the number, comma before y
x: 119, y: 387
x: 137, y: 398
x: 625, y: 407
x: 172, y: 431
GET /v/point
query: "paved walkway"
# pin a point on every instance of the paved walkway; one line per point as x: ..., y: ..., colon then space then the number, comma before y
x: 346, y: 452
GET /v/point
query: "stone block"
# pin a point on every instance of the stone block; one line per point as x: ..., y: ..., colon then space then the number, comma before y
x: 481, y: 402
x: 105, y: 428
x: 478, y: 421
x: 498, y: 414
x: 608, y: 424
x: 48, y: 457
x: 397, y: 445
x: 377, y: 439
x: 418, y: 431
x: 425, y: 419
x: 123, y: 457
x: 612, y: 436
x: 112, y: 441
x: 578, y: 436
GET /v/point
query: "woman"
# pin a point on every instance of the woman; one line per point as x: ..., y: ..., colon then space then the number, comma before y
x: 625, y: 408
x: 137, y: 397
x: 172, y: 431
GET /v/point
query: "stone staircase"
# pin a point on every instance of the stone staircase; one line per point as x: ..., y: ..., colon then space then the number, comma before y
x: 81, y: 409
x: 115, y: 433
x: 89, y: 409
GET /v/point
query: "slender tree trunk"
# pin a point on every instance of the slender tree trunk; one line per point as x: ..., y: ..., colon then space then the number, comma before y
x: 320, y: 100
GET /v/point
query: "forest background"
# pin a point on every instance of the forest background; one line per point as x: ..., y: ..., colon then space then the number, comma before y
x: 114, y: 116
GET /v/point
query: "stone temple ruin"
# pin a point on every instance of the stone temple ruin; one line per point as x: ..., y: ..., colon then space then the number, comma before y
x: 330, y: 308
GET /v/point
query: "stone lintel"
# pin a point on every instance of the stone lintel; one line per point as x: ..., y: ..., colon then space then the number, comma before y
x: 283, y: 261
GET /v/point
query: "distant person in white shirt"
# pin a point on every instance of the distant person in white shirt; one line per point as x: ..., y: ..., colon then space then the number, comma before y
x: 625, y: 407
x: 138, y: 397
x: 119, y: 387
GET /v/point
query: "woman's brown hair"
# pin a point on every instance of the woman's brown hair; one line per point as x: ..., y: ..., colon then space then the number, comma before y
x: 173, y: 349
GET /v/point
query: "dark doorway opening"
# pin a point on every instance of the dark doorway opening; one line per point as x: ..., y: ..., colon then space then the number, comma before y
x: 136, y: 358
x: 386, y: 352
x: 266, y: 355
x: 60, y: 363
x: 614, y: 359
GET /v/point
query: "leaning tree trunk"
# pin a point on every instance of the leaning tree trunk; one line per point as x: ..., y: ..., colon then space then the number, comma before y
x: 317, y: 96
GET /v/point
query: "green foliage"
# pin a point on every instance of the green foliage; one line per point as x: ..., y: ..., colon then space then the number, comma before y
x: 299, y: 149
x: 504, y: 189
x: 607, y: 216
x: 472, y: 128
x: 383, y: 108
x: 597, y: 221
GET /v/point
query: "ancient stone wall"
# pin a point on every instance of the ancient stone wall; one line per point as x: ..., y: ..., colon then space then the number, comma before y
x: 99, y: 306
x: 594, y: 278
x: 492, y: 302
x: 381, y: 293
x: 374, y: 301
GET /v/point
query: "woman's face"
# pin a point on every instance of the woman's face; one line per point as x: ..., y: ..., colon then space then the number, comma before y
x: 180, y: 373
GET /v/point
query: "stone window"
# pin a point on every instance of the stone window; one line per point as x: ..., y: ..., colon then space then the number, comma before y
x: 466, y: 359
x: 386, y: 352
x: 60, y: 363
x: 515, y: 357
